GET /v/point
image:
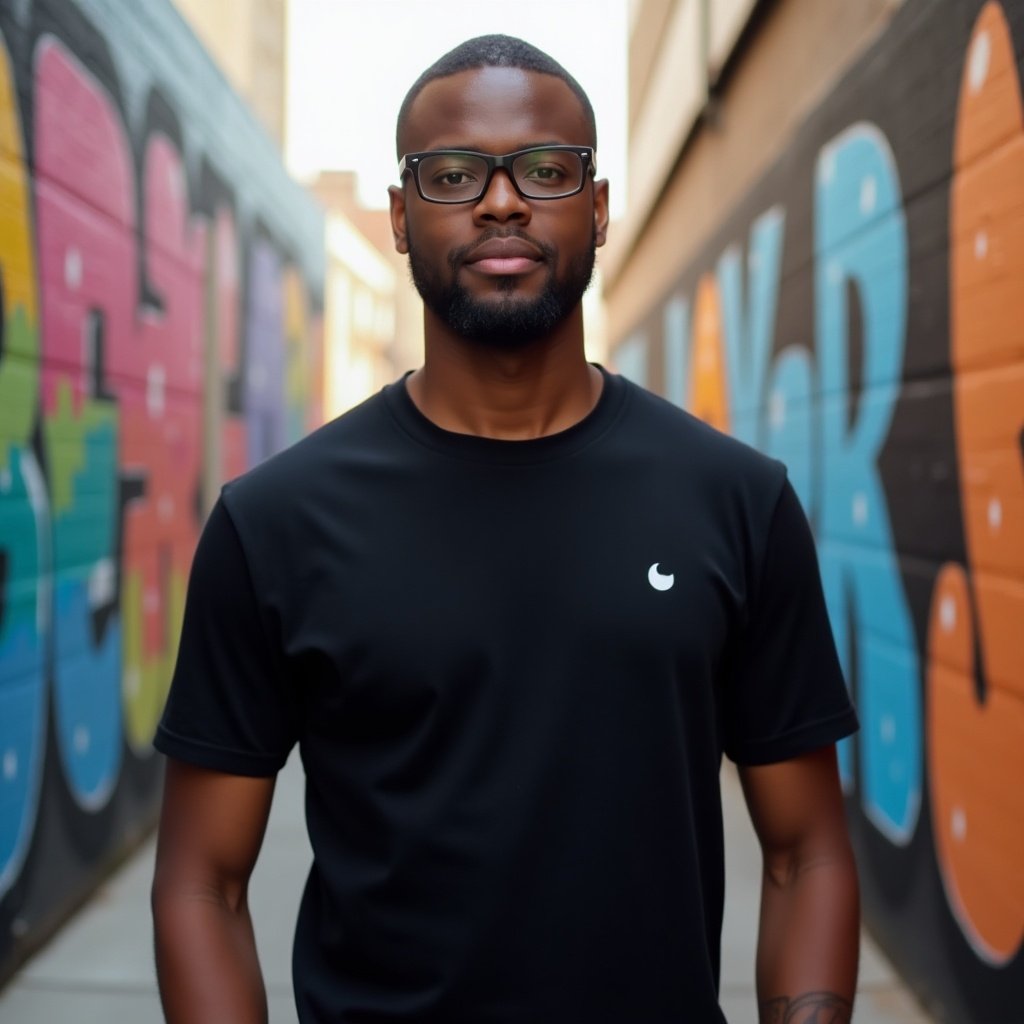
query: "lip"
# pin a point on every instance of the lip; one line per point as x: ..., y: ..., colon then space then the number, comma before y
x: 504, y: 257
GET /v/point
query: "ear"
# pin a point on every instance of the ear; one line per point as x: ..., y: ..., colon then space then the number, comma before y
x: 600, y: 211
x: 396, y: 198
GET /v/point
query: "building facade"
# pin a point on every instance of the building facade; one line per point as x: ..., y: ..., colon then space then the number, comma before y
x: 161, y: 324
x: 365, y: 351
x: 823, y: 255
x: 248, y: 39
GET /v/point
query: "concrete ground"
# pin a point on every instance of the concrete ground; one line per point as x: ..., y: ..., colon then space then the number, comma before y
x: 99, y: 968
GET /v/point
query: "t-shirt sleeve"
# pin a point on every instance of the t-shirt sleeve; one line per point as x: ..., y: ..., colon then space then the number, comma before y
x: 230, y: 707
x: 785, y: 694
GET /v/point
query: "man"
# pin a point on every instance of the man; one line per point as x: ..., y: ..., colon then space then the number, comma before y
x: 512, y: 609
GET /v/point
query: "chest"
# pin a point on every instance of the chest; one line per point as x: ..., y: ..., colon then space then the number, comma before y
x: 410, y: 590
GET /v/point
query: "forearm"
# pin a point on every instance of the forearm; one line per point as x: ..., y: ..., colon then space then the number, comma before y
x: 809, y: 940
x: 207, y: 965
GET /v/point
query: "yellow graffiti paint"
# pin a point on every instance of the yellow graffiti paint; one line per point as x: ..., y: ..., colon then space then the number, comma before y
x: 19, y: 368
x: 709, y: 390
x: 68, y: 434
x: 298, y: 383
x: 146, y: 679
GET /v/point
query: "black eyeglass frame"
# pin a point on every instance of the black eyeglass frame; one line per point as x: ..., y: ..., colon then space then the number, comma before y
x: 410, y: 164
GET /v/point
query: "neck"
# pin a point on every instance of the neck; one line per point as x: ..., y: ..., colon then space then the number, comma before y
x: 540, y: 389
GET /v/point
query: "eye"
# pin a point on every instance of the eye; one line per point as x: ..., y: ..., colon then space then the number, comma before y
x: 546, y: 172
x: 454, y: 177
x: 451, y: 177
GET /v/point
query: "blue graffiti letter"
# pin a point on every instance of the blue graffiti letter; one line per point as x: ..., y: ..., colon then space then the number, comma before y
x: 861, y: 255
x: 749, y: 329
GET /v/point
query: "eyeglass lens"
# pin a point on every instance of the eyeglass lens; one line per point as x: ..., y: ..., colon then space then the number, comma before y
x: 539, y: 174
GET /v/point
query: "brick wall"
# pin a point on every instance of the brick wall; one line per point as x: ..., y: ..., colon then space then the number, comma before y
x: 160, y: 326
x: 859, y: 314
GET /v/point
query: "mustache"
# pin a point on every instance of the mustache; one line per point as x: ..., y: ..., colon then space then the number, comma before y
x: 456, y: 257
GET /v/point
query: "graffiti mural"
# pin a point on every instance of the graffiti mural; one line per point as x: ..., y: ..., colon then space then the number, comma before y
x: 860, y: 316
x: 160, y: 330
x: 976, y: 656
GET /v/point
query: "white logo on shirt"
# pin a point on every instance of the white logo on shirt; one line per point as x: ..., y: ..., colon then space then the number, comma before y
x: 658, y: 580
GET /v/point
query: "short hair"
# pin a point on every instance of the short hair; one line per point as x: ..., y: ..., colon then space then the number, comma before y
x: 493, y: 51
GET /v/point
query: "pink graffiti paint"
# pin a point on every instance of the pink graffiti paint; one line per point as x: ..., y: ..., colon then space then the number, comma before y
x: 85, y: 203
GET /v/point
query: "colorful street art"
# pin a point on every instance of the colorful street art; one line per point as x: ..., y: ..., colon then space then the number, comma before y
x: 976, y: 651
x: 160, y: 331
x: 860, y: 316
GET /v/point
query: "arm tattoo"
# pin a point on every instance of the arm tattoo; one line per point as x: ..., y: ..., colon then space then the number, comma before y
x: 810, y: 1008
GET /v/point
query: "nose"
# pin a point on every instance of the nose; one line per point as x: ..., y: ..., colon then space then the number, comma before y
x: 501, y: 202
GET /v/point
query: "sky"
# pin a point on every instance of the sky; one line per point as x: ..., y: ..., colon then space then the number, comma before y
x: 352, y: 61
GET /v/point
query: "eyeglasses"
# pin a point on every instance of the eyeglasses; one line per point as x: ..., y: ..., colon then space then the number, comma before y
x: 462, y: 176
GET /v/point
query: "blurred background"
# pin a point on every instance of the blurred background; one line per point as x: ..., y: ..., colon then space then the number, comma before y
x: 818, y: 245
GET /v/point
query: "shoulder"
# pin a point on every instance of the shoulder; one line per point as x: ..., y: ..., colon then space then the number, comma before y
x: 324, y: 453
x: 710, y: 459
x: 275, y: 505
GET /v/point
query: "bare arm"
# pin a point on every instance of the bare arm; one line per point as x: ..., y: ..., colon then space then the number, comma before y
x: 211, y: 829
x: 808, y: 942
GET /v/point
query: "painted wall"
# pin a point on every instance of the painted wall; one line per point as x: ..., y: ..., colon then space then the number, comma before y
x: 160, y: 289
x: 860, y: 315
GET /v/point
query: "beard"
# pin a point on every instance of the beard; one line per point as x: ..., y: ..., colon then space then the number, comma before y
x: 513, y: 321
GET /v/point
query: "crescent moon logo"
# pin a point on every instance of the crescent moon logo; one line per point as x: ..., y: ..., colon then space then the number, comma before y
x: 659, y: 580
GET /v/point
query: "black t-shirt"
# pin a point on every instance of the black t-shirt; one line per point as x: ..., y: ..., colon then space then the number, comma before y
x: 512, y: 668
